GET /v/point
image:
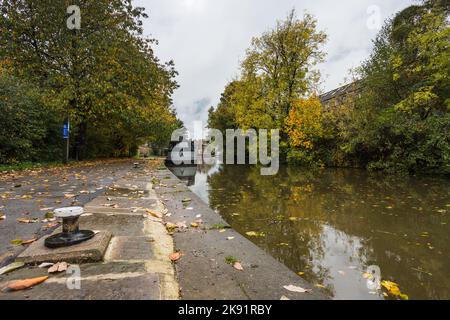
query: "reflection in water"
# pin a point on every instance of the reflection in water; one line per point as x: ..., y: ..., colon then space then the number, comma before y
x: 332, y: 224
x: 184, y: 173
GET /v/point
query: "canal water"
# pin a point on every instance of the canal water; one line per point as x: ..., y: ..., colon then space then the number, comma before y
x: 343, y: 230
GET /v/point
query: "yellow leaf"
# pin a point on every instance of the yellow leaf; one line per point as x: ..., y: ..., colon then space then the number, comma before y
x: 393, y: 289
x: 154, y: 213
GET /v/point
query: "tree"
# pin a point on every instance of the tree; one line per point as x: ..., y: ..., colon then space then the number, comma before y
x: 278, y: 69
x: 27, y: 131
x: 284, y: 58
x: 405, y: 101
x: 304, y: 123
x: 93, y: 74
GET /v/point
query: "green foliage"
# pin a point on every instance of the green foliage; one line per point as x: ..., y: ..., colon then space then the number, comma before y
x: 105, y: 75
x: 405, y: 116
x: 28, y: 132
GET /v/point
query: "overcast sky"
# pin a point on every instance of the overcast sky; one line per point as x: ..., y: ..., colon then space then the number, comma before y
x: 207, y: 39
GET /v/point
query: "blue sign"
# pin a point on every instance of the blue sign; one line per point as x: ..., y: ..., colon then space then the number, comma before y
x: 66, y: 131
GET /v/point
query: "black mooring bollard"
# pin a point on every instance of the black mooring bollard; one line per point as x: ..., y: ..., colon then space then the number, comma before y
x: 71, y: 234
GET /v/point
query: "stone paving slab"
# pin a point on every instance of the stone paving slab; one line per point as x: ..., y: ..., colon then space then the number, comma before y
x: 91, y: 250
x: 138, y: 286
x: 120, y: 205
x: 117, y: 224
x: 131, y: 248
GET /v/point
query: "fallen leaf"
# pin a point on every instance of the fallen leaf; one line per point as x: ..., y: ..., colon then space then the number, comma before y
x: 255, y: 234
x: 62, y: 266
x: 318, y: 285
x: 26, y: 283
x: 69, y: 196
x: 154, y: 213
x: 16, y: 242
x: 284, y: 298
x: 300, y: 273
x: 27, y: 220
x: 28, y: 241
x: 185, y: 200
x: 53, y: 268
x: 171, y: 227
x: 296, y: 289
x: 194, y: 225
x: 2, y: 217
x: 49, y: 215
x: 11, y: 267
x: 238, y: 266
x: 393, y: 289
x: 175, y: 256
x: 230, y: 238
x: 45, y: 265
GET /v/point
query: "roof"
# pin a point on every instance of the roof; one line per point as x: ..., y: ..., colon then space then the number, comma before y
x: 338, y: 92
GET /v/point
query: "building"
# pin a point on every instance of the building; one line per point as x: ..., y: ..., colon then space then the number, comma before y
x: 341, y: 95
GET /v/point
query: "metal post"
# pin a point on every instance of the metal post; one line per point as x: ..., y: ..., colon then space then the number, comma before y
x: 66, y: 134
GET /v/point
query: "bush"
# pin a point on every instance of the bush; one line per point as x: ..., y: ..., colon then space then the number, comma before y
x: 28, y: 130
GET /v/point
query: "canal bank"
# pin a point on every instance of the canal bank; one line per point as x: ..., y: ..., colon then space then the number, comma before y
x: 141, y: 219
x: 209, y: 247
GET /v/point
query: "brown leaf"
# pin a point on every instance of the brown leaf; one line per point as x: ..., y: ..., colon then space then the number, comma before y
x: 26, y: 283
x: 69, y: 196
x: 53, y: 268
x: 238, y: 266
x: 58, y: 267
x: 62, y: 266
x: 175, y: 256
x: 27, y: 220
x: 28, y: 241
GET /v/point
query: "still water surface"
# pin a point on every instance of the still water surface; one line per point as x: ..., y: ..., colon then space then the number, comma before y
x: 331, y: 225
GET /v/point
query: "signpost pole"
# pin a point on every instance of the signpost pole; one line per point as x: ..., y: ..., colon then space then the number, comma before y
x: 66, y: 132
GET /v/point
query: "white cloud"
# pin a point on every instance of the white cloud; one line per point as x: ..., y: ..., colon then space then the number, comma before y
x: 208, y: 38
